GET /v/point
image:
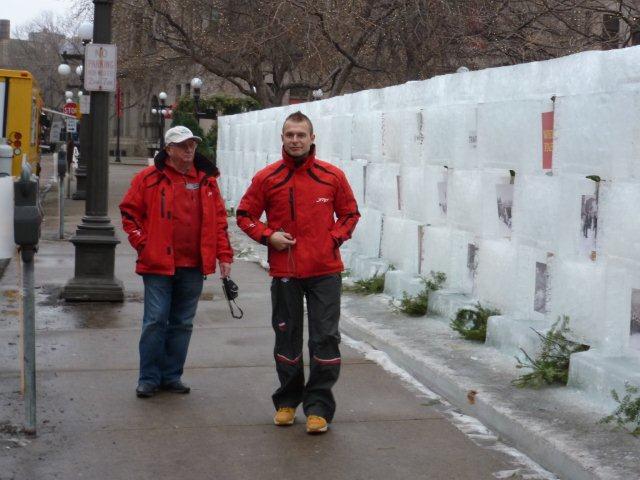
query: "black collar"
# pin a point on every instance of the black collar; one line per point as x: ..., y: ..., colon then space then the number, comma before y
x: 200, y: 162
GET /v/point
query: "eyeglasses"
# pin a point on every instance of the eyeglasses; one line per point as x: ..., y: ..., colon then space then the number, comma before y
x: 186, y: 145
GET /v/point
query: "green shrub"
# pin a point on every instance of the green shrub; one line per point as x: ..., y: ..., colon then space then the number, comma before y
x: 367, y: 286
x: 418, y: 305
x: 552, y: 364
x: 627, y: 415
x: 471, y: 323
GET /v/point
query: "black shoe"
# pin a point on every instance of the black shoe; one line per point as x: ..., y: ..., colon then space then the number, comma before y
x: 145, y: 390
x: 176, y: 387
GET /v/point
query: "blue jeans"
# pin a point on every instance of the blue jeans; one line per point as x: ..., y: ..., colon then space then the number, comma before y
x: 170, y: 304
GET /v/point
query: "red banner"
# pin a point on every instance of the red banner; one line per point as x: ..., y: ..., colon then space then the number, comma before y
x: 547, y: 140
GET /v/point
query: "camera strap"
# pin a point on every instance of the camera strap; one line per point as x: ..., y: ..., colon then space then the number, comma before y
x: 233, y: 314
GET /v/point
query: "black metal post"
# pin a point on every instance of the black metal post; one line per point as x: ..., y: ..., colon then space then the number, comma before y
x: 95, y: 240
x: 162, y: 106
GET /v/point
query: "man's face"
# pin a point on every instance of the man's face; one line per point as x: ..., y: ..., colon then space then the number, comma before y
x: 183, y: 151
x: 297, y: 138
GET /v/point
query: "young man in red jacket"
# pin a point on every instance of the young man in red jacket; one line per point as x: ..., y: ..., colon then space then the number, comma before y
x: 310, y: 211
x: 177, y: 222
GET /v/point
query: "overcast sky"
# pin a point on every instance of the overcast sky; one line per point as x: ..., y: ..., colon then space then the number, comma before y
x: 23, y: 11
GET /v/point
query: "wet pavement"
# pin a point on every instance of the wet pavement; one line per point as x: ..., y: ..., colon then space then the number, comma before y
x: 91, y: 425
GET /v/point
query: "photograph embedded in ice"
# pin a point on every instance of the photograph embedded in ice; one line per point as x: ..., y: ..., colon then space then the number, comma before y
x: 472, y: 263
x: 635, y: 319
x: 442, y: 196
x: 540, y: 296
x: 589, y: 224
x: 504, y: 197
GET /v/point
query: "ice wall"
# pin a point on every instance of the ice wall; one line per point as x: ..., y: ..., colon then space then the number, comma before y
x: 521, y: 183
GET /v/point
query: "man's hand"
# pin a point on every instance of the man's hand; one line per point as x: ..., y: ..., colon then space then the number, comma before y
x: 225, y: 269
x: 281, y: 240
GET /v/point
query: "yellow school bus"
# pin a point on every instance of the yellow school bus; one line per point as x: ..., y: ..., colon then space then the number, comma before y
x: 20, y: 108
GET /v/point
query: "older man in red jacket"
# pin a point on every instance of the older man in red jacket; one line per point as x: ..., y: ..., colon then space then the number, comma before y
x: 310, y: 211
x: 177, y: 222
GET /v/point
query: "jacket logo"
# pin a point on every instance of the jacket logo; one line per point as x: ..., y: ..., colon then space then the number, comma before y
x: 322, y: 200
x: 192, y: 186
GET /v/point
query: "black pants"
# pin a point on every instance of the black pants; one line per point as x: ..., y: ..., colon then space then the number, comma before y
x: 323, y: 308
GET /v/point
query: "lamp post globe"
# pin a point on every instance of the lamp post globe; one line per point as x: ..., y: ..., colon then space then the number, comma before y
x: 162, y: 96
x: 68, y: 94
x: 64, y: 69
x: 80, y: 93
x: 154, y: 111
x: 79, y: 70
x: 196, y: 83
x: 85, y: 32
x: 462, y: 69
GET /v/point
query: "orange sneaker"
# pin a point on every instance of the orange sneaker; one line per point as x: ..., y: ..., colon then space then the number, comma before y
x: 316, y: 424
x: 285, y: 416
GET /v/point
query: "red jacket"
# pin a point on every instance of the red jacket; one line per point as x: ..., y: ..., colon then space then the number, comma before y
x: 147, y: 218
x: 304, y: 202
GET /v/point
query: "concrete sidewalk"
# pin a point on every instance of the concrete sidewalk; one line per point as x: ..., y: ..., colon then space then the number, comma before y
x: 91, y: 425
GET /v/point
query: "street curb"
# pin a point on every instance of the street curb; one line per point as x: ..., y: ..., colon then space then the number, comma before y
x: 545, y: 449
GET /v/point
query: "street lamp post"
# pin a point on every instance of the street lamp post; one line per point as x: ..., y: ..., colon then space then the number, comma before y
x: 317, y: 94
x: 85, y: 33
x: 209, y: 113
x: 95, y: 240
x: 161, y: 111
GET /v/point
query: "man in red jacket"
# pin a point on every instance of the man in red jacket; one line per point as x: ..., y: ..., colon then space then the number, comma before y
x: 302, y: 196
x: 177, y: 222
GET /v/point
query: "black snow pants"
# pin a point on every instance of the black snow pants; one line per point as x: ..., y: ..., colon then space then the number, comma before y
x: 323, y: 310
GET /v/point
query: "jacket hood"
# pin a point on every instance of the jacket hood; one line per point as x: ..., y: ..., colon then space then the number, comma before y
x: 306, y: 163
x: 200, y: 162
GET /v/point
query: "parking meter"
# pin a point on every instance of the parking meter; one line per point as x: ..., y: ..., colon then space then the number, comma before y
x: 27, y: 217
x: 62, y: 165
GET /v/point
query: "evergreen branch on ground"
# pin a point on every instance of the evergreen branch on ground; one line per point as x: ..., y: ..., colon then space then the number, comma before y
x: 366, y: 286
x: 551, y: 365
x: 418, y: 305
x: 471, y: 323
x: 627, y: 414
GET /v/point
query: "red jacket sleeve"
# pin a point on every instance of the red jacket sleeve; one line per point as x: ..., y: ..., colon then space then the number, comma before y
x: 347, y: 212
x: 224, y: 252
x: 133, y: 211
x: 250, y: 210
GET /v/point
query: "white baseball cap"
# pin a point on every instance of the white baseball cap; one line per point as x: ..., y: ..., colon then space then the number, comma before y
x: 179, y: 134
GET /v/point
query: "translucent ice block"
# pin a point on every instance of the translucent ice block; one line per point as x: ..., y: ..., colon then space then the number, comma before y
x: 536, y: 211
x: 396, y: 232
x: 381, y: 187
x: 619, y: 222
x: 464, y: 200
x: 436, y: 251
x: 402, y: 137
x: 497, y: 267
x: 355, y: 171
x: 450, y: 135
x: 598, y: 135
x: 366, y: 237
x: 341, y: 134
x: 578, y: 290
x: 510, y: 135
x: 366, y: 136
x: 578, y: 232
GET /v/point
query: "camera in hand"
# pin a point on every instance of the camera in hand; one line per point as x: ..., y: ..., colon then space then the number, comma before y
x: 230, y: 288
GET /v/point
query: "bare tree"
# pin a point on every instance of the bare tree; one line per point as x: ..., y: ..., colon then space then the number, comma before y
x: 266, y: 48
